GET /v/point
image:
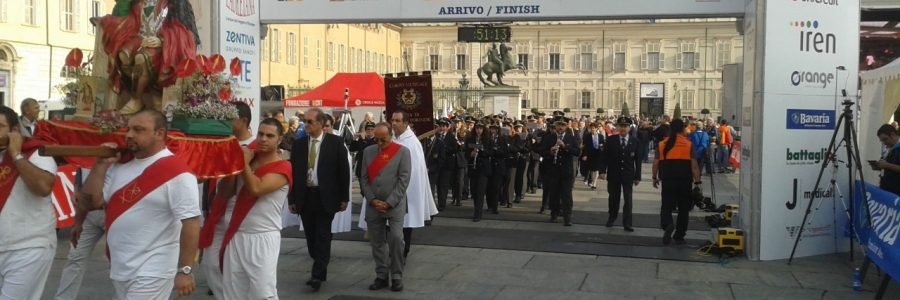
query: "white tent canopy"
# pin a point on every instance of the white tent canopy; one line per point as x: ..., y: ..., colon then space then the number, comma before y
x: 880, y: 98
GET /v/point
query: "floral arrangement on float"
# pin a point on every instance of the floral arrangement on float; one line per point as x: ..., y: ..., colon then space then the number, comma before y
x: 75, y: 85
x: 206, y: 94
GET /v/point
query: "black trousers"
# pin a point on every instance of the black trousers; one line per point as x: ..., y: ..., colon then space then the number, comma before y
x: 504, y: 186
x: 618, y: 190
x: 495, y: 182
x: 559, y: 184
x: 456, y: 183
x: 479, y: 189
x: 317, y: 228
x: 407, y: 240
x: 462, y: 183
x: 531, y: 173
x: 519, y: 181
x: 676, y: 193
x: 444, y: 178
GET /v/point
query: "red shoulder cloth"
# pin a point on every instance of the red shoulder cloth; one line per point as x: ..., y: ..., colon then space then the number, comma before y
x: 242, y: 208
x: 9, y: 173
x: 381, y: 160
x: 157, y: 174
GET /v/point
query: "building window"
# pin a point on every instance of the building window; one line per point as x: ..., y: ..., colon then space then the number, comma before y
x: 342, y: 58
x: 31, y: 12
x: 306, y: 52
x: 619, y: 56
x: 652, y: 59
x: 368, y: 59
x: 276, y: 45
x: 433, y: 62
x: 266, y: 46
x: 723, y: 53
x: 462, y: 56
x: 3, y: 11
x: 555, y: 60
x: 688, y: 99
x: 585, y: 58
x: 96, y: 9
x: 69, y: 20
x: 381, y: 65
x: 618, y: 98
x: 331, y: 61
x: 292, y: 49
x: 553, y: 99
x: 522, y: 50
x: 318, y: 54
x: 688, y: 58
x: 586, y: 99
x: 526, y: 103
x: 360, y: 60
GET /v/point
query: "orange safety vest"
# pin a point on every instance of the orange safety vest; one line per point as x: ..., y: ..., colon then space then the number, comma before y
x: 681, y: 150
x: 676, y: 164
x: 724, y: 135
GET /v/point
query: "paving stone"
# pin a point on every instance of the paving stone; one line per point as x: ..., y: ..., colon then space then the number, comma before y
x: 648, y: 286
x: 716, y: 273
x: 744, y: 291
x: 554, y: 280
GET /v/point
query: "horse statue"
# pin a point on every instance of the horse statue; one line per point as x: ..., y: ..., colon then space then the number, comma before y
x: 498, y: 64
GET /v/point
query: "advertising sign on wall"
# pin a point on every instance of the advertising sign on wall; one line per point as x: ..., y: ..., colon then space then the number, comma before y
x: 238, y: 36
x: 653, y: 90
x: 811, y: 50
x: 413, y: 95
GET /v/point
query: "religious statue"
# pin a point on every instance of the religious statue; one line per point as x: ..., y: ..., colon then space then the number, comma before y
x: 145, y: 40
x: 498, y: 62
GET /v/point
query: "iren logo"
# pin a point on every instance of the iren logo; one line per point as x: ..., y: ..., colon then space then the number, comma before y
x: 804, y: 157
x: 811, y: 39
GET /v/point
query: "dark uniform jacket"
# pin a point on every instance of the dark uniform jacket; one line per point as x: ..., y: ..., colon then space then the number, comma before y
x: 622, y: 163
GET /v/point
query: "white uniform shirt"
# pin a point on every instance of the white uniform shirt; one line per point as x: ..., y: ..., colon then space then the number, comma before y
x: 144, y: 241
x: 229, y: 208
x: 28, y: 220
x: 265, y: 216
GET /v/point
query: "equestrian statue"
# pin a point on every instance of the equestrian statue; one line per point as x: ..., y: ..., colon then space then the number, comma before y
x: 498, y: 63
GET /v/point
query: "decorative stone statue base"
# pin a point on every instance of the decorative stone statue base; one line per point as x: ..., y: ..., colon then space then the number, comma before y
x: 502, y: 98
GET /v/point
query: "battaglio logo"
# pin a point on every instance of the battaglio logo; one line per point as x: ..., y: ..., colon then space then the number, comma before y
x: 814, y: 40
x: 811, y: 79
x: 805, y: 157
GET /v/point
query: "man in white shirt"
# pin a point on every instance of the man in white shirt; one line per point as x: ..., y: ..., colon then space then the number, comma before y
x: 209, y: 265
x: 152, y: 213
x: 28, y: 122
x: 27, y: 221
x: 86, y: 233
x: 252, y: 239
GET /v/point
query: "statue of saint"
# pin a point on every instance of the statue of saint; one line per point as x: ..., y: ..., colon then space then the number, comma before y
x: 145, y: 40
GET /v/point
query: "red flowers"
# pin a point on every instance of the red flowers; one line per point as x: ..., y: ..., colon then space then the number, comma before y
x: 225, y: 93
x: 235, y: 67
x: 186, y: 68
x: 73, y: 59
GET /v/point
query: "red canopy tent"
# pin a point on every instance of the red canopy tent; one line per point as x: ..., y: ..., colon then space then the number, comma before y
x: 366, y: 89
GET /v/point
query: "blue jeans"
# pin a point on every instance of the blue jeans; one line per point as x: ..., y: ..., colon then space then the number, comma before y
x: 723, y: 155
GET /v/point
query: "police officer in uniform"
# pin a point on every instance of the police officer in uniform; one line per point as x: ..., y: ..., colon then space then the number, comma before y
x: 622, y: 169
x: 443, y: 157
x: 560, y: 149
x: 676, y: 167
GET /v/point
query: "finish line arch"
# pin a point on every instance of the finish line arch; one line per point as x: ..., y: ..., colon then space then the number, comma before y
x: 782, y: 38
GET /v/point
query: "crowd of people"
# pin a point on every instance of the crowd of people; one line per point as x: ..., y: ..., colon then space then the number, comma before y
x: 156, y: 215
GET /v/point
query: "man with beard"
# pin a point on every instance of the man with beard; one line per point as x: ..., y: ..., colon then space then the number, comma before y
x: 249, y: 251
x: 152, y: 213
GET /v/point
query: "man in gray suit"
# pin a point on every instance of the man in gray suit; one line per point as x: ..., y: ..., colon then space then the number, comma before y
x: 386, y: 169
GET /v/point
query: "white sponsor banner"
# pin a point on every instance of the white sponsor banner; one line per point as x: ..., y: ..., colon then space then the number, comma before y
x: 238, y: 36
x: 805, y: 43
x: 323, y: 11
x: 653, y: 90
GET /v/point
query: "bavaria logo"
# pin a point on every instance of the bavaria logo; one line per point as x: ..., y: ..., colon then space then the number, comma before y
x: 810, y: 119
x: 242, y: 8
x: 812, y: 39
x: 811, y: 79
x: 823, y: 2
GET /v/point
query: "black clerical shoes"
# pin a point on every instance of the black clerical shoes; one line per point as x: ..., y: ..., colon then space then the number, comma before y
x: 396, y: 285
x: 378, y: 284
x: 315, y: 284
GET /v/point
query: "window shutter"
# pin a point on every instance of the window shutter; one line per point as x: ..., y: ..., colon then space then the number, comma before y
x: 562, y: 60
x: 546, y: 61
x: 577, y: 61
x: 644, y: 61
x: 662, y: 61
x: 595, y: 65
x: 678, y: 59
x: 531, y: 64
x: 696, y: 60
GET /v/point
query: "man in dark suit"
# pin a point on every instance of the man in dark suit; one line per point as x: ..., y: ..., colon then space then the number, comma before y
x: 361, y: 141
x: 322, y: 182
x: 622, y: 169
x: 559, y: 149
x: 442, y: 156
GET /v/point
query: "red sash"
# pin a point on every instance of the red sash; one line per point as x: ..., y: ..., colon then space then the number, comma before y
x: 9, y: 173
x: 381, y: 160
x: 242, y: 208
x: 153, y: 176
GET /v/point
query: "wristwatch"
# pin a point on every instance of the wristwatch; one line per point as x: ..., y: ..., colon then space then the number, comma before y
x: 18, y: 157
x: 186, y: 270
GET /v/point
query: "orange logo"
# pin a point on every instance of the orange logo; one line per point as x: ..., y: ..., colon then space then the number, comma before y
x: 6, y: 175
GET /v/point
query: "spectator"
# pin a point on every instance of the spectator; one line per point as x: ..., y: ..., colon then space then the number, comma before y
x: 724, y: 143
x: 700, y: 139
x: 890, y: 164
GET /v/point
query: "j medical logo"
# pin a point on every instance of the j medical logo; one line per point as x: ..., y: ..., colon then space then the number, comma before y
x: 805, y: 156
x: 813, y: 38
x: 811, y: 79
x: 820, y: 2
x: 810, y: 119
